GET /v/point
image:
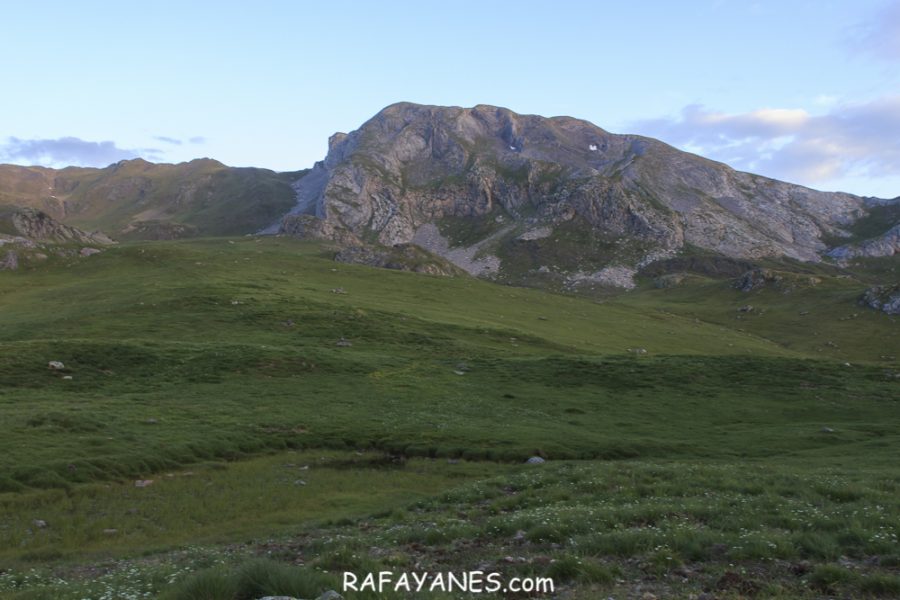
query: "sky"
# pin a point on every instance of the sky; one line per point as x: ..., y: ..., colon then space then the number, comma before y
x: 808, y: 92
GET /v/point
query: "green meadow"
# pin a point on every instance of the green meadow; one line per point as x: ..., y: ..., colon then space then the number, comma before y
x: 300, y: 417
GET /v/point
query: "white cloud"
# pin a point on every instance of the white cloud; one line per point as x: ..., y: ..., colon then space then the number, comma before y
x: 68, y: 151
x: 859, y: 140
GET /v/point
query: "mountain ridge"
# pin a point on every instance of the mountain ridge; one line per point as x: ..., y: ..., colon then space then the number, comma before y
x: 519, y: 198
x: 413, y: 166
x: 137, y: 199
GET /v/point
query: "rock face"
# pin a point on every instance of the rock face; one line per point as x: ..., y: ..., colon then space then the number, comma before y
x: 38, y: 226
x: 521, y: 185
x: 28, y: 236
x: 885, y: 245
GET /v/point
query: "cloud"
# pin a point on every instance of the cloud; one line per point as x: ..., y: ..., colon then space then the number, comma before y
x: 850, y: 140
x: 67, y: 151
x: 880, y: 35
x: 199, y: 139
x: 168, y: 140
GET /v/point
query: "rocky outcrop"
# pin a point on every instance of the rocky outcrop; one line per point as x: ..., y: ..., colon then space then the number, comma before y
x: 757, y: 278
x: 10, y: 261
x: 402, y: 257
x: 786, y: 282
x: 38, y: 226
x: 885, y: 298
x: 414, y: 166
x: 29, y: 236
x: 885, y: 245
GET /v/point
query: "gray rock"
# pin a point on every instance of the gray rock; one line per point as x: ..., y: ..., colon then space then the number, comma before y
x: 755, y: 279
x: 411, y: 166
x: 343, y: 343
x: 330, y: 595
x: 10, y: 262
x: 887, y: 244
x: 89, y: 251
x: 535, y: 460
x: 885, y: 298
x: 56, y: 365
x: 39, y: 523
x: 39, y: 226
x: 669, y: 280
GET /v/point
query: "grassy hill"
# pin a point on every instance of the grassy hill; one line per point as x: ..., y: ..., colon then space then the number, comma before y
x: 135, y: 199
x: 220, y: 368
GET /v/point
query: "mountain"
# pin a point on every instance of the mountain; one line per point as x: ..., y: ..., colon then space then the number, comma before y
x: 135, y: 199
x: 554, y: 202
x: 517, y: 196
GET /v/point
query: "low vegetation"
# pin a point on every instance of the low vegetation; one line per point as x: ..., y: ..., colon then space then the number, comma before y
x: 297, y: 417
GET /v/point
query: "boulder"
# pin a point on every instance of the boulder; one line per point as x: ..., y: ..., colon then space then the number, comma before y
x: 885, y: 298
x: 10, y: 262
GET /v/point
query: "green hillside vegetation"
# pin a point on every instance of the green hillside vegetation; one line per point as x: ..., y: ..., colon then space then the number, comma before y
x: 135, y: 199
x: 878, y: 220
x: 6, y: 222
x: 345, y: 417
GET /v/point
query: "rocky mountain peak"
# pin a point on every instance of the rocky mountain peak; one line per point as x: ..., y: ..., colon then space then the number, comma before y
x: 522, y: 180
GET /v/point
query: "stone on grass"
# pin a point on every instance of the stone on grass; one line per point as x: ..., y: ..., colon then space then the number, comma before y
x: 55, y: 365
x: 39, y: 523
x: 143, y: 483
x: 535, y: 460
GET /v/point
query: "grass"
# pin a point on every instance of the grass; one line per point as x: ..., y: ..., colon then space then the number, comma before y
x: 571, y: 247
x: 202, y: 196
x: 877, y: 222
x: 217, y: 501
x: 823, y: 320
x: 798, y: 529
x: 737, y: 448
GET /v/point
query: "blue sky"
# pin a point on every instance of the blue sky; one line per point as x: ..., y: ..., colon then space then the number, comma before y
x: 803, y: 91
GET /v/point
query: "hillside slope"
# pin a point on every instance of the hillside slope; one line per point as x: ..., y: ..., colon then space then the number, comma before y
x: 135, y: 199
